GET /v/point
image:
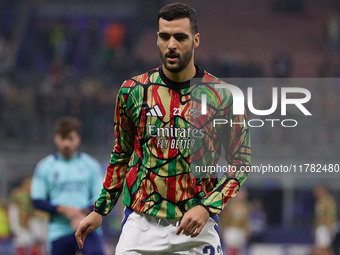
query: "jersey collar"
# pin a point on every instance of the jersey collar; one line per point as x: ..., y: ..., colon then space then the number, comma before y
x: 180, y: 85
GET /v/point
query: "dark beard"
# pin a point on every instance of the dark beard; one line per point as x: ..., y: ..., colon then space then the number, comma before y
x: 183, y: 62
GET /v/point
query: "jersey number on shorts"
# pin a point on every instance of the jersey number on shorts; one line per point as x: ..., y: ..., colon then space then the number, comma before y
x: 210, y: 250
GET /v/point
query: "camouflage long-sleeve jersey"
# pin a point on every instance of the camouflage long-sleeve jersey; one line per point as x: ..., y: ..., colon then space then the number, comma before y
x: 160, y: 137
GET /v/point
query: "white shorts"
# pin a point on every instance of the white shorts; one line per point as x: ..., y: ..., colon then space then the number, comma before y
x: 323, y: 237
x: 144, y: 234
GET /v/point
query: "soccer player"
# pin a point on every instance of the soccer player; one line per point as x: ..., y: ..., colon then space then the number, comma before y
x: 168, y: 208
x: 325, y: 220
x: 237, y: 224
x: 66, y: 185
x: 21, y: 212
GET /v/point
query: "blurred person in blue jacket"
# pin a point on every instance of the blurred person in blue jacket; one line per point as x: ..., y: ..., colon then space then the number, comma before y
x: 66, y: 184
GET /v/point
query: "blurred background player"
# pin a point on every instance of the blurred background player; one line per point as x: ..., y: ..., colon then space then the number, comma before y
x: 66, y: 184
x: 325, y: 221
x: 27, y: 224
x: 235, y: 224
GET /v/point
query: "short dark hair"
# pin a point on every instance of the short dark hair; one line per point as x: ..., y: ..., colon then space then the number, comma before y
x: 179, y: 10
x: 65, y: 125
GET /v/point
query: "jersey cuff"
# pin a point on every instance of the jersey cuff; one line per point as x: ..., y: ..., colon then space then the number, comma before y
x: 206, y: 208
x: 98, y: 210
x: 100, y: 213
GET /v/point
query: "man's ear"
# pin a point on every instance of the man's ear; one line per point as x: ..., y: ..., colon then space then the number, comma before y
x: 196, y: 40
x: 80, y: 139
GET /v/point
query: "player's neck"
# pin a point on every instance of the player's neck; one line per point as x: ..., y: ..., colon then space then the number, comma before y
x: 185, y: 75
x: 67, y: 157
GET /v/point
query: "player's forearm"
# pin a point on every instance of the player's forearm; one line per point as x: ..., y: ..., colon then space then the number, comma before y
x: 218, y: 198
x: 112, y: 188
x: 44, y: 205
x: 228, y: 186
x: 113, y: 183
x: 107, y: 200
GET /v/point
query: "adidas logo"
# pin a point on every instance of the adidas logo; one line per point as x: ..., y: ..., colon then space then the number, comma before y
x: 155, y: 112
